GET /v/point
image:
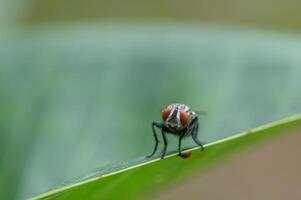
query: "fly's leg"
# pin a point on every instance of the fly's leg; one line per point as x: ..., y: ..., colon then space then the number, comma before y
x: 165, y: 144
x: 180, y: 141
x: 194, y: 133
x: 158, y: 125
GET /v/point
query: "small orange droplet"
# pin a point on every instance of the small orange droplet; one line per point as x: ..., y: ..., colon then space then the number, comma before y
x: 186, y: 154
x: 184, y: 117
x: 166, y: 112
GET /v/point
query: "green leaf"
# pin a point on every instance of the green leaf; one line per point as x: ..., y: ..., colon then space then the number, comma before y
x: 141, y: 179
x: 76, y: 98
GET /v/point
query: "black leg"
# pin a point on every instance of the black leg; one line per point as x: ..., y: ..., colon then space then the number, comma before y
x: 154, y: 124
x: 194, y: 134
x: 180, y: 141
x: 165, y: 144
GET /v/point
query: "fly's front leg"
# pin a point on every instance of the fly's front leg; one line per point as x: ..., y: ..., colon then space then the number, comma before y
x: 180, y: 141
x: 165, y: 144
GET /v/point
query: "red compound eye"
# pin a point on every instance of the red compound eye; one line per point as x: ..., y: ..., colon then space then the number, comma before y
x: 184, y: 117
x: 166, y: 112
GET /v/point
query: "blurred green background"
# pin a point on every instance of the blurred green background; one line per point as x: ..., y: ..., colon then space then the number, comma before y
x: 80, y: 82
x: 281, y: 15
